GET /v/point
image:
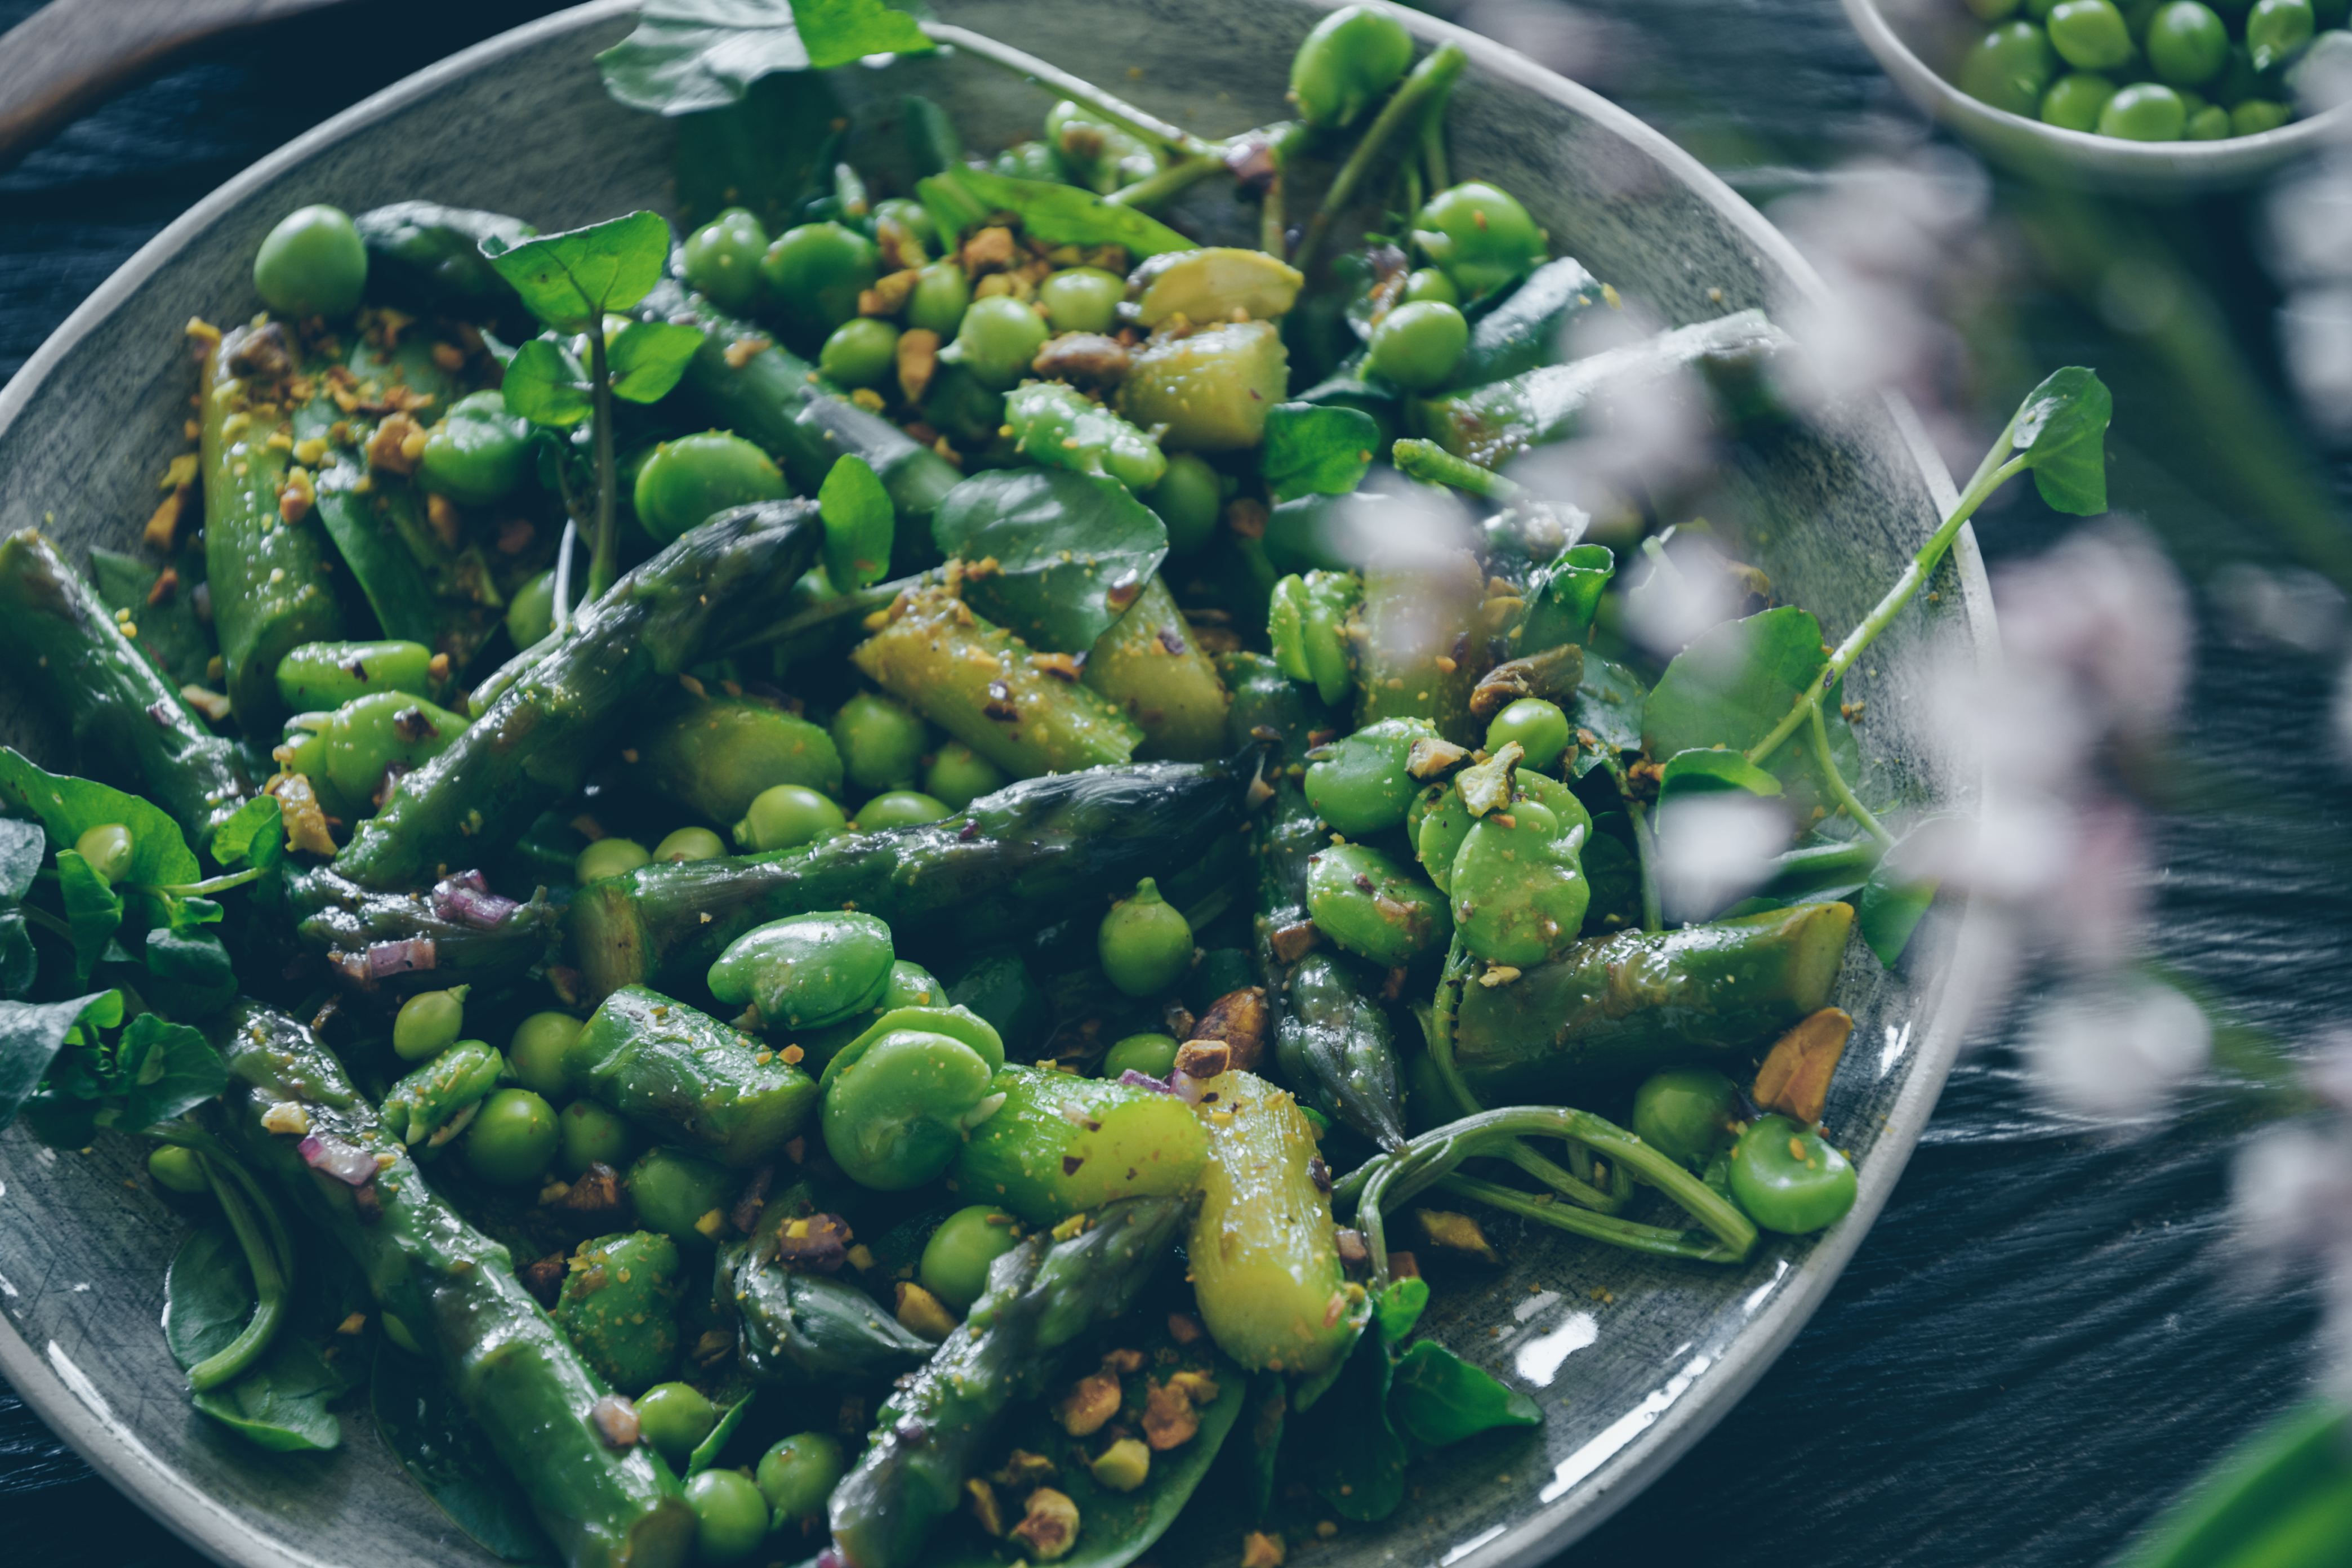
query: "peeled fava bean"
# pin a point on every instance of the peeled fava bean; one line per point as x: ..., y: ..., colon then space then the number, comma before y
x: 325, y: 675
x: 479, y: 454
x: 619, y: 1308
x: 1518, y: 885
x: 716, y: 756
x: 1374, y: 905
x: 370, y: 736
x: 1307, y: 622
x: 676, y: 1194
x: 1362, y: 785
x: 689, y: 1080
x: 900, y: 1099
x: 1062, y: 428
x: 1685, y: 1113
x: 807, y: 971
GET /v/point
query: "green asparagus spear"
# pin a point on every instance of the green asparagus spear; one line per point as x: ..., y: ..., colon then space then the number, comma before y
x: 799, y: 1329
x: 606, y: 1501
x: 1029, y: 852
x: 455, y: 935
x: 57, y: 642
x: 699, y: 596
x: 427, y: 258
x: 689, y: 1078
x: 1042, y: 1297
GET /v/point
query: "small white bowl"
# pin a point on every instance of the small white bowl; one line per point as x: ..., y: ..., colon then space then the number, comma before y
x: 1903, y: 35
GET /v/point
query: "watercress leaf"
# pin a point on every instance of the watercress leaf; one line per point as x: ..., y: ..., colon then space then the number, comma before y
x: 255, y: 836
x: 1400, y: 1307
x: 166, y: 1068
x: 1705, y: 772
x: 706, y: 1453
x: 860, y: 524
x: 1563, y: 596
x: 186, y: 913
x: 647, y: 358
x: 1065, y: 214
x: 209, y: 1295
x: 2062, y: 428
x: 1345, y: 1450
x: 1610, y: 700
x: 31, y: 1034
x: 281, y: 1403
x: 447, y: 1456
x: 1071, y: 551
x: 69, y: 807
x: 1895, y: 898
x: 690, y: 55
x: 570, y: 280
x: 1732, y: 684
x: 189, y: 957
x: 842, y: 32
x: 171, y: 633
x: 547, y: 386
x: 19, y: 964
x: 22, y: 845
x: 954, y: 210
x: 1311, y: 450
x: 1438, y: 1398
x: 1615, y: 875
x: 92, y: 911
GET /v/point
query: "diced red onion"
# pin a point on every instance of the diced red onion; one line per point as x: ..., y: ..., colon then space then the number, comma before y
x: 347, y: 1162
x: 405, y: 957
x: 467, y: 900
x: 1135, y: 1080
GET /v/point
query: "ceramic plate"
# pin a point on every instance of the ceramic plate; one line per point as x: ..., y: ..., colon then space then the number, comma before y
x: 1631, y: 1359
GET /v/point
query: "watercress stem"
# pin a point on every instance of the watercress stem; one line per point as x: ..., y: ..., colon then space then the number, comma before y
x: 1839, y: 788
x: 1432, y: 149
x: 45, y: 921
x: 1547, y: 1210
x: 1423, y: 91
x: 1646, y: 852
x: 1433, y: 464
x: 1147, y: 193
x: 605, y: 565
x: 220, y: 884
x: 563, y: 575
x: 269, y: 1288
x: 1077, y: 89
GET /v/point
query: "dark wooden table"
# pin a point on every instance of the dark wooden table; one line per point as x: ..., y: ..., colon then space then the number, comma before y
x: 2046, y: 1336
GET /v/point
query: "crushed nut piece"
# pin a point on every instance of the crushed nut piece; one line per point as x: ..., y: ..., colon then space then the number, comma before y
x: 1169, y: 1420
x: 1454, y: 1233
x: 1239, y: 1019
x: 1261, y: 1550
x: 1093, y: 1401
x: 1051, y: 1526
x: 1124, y: 1464
x: 980, y: 1501
x: 920, y: 1312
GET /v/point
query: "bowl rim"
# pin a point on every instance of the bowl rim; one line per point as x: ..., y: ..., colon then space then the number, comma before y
x: 1661, y: 1430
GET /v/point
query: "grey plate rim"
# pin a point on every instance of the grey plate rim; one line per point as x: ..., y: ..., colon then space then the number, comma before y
x: 58, y: 1393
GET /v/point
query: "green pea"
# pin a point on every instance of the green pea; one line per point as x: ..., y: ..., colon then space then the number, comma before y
x: 674, y: 1417
x: 1190, y: 499
x: 881, y: 743
x: 912, y: 985
x: 531, y: 613
x: 797, y: 1475
x: 1416, y: 345
x: 686, y: 480
x: 1685, y: 1113
x: 2090, y: 34
x: 911, y: 217
x: 479, y: 453
x: 618, y: 1306
x: 2210, y: 123
x: 1032, y: 161
x: 673, y: 1191
x: 722, y: 259
x: 2009, y: 68
x: 786, y: 817
x: 513, y: 1137
x: 1360, y: 785
x: 592, y: 1135
x: 894, y: 1115
x: 326, y: 675
x: 862, y: 353
x: 312, y: 263
x: 730, y: 1517
x: 689, y: 844
x: 178, y: 1169
x: 942, y: 295
x: 958, y: 775
x: 1144, y: 944
x: 1480, y: 236
x: 1371, y: 904
x: 815, y: 274
x: 999, y: 987
x: 1541, y: 727
x: 540, y: 1053
x: 1153, y: 1055
x: 1518, y: 890
x: 2144, y: 112
x: 2074, y: 100
x: 1788, y: 1179
x: 2187, y: 44
x: 2257, y: 115
x: 107, y: 848
x: 1082, y: 299
x: 2275, y: 29
x: 428, y: 1024
x: 1347, y: 64
x: 1427, y: 285
x: 608, y: 857
x: 997, y: 340
x: 1095, y: 154
x: 807, y: 971
x: 900, y: 808
x: 956, y: 1259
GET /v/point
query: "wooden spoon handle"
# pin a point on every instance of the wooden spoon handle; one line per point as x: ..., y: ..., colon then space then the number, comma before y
x: 70, y: 54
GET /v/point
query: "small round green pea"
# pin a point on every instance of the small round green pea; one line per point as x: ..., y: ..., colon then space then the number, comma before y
x: 815, y: 274
x: 1685, y: 1112
x: 2090, y: 34
x: 722, y: 259
x: 1153, y: 1055
x: 942, y: 295
x: 785, y: 816
x: 955, y: 1261
x: 2257, y: 115
x: 909, y: 216
x: 1539, y: 727
x: 862, y: 353
x: 530, y: 613
x: 997, y: 340
x: 1347, y: 64
x: 1082, y: 299
x: 2009, y: 68
x: 958, y: 775
x: 1145, y: 942
x: 881, y: 743
x: 312, y: 263
x: 672, y: 1190
x: 178, y: 1169
x: 900, y: 808
x: 1189, y: 499
x: 2275, y: 29
x: 2187, y: 45
x: 540, y: 1053
x: 1480, y: 236
x: 2210, y: 123
x: 513, y: 1137
x: 593, y: 1136
x: 730, y: 1516
x: 428, y: 1024
x: 479, y: 454
x: 1416, y: 345
x: 608, y: 857
x: 674, y: 1417
x: 2074, y: 100
x: 1788, y: 1179
x: 797, y: 1475
x: 1032, y: 161
x: 107, y: 848
x: 2145, y: 111
x: 690, y: 844
x: 685, y: 481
